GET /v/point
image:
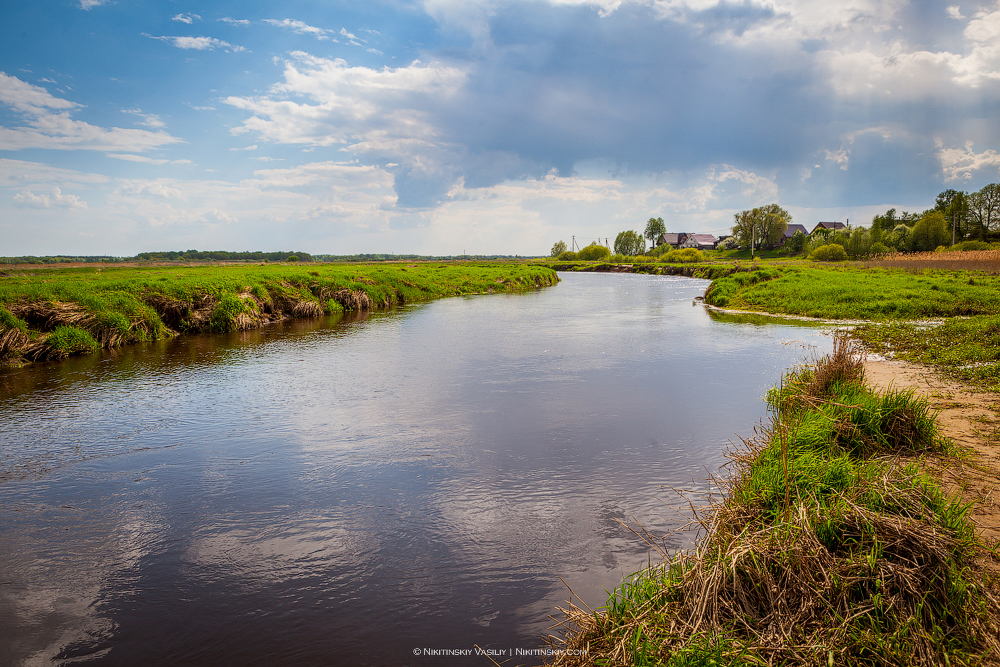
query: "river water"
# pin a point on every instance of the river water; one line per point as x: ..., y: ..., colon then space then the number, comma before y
x: 355, y: 491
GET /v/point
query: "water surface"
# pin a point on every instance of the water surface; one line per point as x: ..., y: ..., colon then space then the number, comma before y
x: 344, y: 492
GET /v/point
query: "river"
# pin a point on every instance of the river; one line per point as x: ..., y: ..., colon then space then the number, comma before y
x: 362, y: 490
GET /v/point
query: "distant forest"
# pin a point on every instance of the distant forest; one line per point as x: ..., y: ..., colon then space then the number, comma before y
x: 246, y: 256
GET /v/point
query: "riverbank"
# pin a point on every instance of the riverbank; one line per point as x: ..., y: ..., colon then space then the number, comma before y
x: 831, y: 545
x: 52, y: 313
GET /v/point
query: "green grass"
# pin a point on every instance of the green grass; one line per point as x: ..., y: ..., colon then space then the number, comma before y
x: 118, y: 305
x: 855, y: 293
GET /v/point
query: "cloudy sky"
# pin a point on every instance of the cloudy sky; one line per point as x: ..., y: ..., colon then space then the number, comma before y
x: 478, y: 126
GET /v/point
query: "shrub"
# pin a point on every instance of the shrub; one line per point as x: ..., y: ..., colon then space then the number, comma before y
x: 683, y: 255
x: 831, y: 252
x: 593, y: 252
x: 568, y: 255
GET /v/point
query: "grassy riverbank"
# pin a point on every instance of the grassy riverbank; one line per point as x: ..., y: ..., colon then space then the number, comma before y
x: 53, y: 313
x: 830, y: 547
x: 854, y: 292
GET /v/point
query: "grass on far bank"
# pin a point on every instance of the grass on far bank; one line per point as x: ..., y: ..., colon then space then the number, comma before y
x: 52, y: 313
x: 830, y: 547
x: 852, y: 292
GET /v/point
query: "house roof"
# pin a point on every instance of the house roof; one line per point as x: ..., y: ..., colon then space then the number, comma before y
x: 790, y: 232
x: 704, y: 239
x: 829, y: 225
x: 671, y: 238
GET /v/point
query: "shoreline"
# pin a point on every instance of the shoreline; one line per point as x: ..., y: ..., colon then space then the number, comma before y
x: 52, y: 314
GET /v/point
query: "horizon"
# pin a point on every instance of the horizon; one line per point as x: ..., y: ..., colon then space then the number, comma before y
x: 466, y: 127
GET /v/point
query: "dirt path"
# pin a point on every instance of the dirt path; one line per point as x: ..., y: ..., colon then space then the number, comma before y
x: 971, y: 418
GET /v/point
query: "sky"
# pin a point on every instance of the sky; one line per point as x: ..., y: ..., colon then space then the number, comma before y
x: 478, y: 126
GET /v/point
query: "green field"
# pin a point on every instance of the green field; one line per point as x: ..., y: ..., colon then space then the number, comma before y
x: 858, y: 293
x: 53, y: 313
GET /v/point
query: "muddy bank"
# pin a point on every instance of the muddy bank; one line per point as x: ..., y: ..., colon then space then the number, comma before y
x: 971, y: 419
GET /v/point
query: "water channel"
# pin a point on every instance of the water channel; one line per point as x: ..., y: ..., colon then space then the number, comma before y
x: 355, y: 491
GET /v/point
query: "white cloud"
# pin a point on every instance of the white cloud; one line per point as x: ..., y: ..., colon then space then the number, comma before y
x: 300, y: 28
x: 54, y: 197
x: 145, y: 160
x: 196, y: 43
x: 186, y: 18
x: 349, y: 104
x: 49, y: 125
x: 148, y: 119
x: 963, y: 163
x: 90, y: 4
x: 232, y: 21
x: 954, y: 12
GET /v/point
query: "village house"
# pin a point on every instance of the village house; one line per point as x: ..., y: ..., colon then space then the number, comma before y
x: 828, y: 225
x: 701, y: 242
x: 790, y: 232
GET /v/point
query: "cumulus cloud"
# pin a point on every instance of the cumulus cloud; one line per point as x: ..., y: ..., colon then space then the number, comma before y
x: 52, y: 198
x: 963, y: 163
x: 48, y: 124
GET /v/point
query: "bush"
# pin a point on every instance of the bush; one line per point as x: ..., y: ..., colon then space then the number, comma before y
x: 593, y: 252
x: 974, y: 245
x: 831, y: 252
x: 683, y: 255
x: 568, y: 255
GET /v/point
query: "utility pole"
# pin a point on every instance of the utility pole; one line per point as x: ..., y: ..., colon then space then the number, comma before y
x: 753, y: 239
x: 953, y: 224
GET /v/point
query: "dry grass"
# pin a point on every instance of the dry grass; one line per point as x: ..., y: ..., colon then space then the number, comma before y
x: 987, y: 261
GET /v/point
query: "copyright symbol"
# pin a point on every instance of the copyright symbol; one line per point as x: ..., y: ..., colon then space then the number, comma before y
x: 416, y: 651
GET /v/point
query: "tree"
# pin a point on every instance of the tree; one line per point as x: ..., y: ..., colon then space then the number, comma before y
x: 984, y: 209
x: 762, y: 226
x: 558, y: 248
x: 654, y: 230
x: 859, y: 243
x: 929, y: 232
x: 629, y: 243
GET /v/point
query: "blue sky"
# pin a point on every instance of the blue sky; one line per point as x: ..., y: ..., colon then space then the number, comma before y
x: 478, y: 126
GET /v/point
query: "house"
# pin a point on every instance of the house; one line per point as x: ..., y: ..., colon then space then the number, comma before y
x: 828, y: 225
x: 790, y: 232
x: 701, y: 242
x: 674, y: 240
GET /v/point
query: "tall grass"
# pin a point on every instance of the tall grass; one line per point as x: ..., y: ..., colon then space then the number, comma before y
x: 969, y: 260
x: 830, y: 547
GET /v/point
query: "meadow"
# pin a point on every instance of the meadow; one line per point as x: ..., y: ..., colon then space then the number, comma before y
x: 852, y: 292
x: 52, y: 313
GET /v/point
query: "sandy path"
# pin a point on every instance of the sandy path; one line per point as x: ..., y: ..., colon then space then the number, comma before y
x: 971, y: 419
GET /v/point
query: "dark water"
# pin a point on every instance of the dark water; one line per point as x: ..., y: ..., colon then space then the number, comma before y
x: 347, y: 492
